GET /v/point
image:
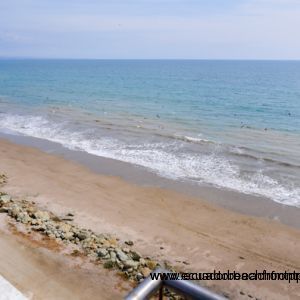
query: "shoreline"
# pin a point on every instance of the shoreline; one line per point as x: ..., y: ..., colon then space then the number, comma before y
x: 163, y: 224
x: 247, y: 204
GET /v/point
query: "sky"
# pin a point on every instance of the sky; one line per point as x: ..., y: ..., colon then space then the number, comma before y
x: 150, y: 29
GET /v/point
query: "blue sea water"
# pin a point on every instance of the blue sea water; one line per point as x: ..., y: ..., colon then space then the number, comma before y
x: 230, y: 124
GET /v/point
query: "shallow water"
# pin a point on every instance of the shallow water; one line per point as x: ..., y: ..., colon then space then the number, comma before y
x: 230, y: 124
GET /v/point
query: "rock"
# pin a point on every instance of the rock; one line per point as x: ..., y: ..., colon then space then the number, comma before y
x: 82, y: 235
x: 68, y: 235
x: 40, y: 228
x: 126, y: 274
x: 121, y: 255
x: 130, y: 264
x: 65, y: 227
x: 135, y: 255
x: 139, y: 276
x: 126, y: 250
x: 129, y: 243
x: 3, y: 179
x: 108, y: 264
x: 145, y: 272
x: 102, y: 252
x: 31, y: 210
x: 151, y: 264
x: 113, y: 242
x: 113, y: 256
x: 119, y: 264
x: 5, y: 199
x: 3, y: 210
x: 23, y: 217
x: 102, y: 236
x: 57, y: 234
x: 42, y: 215
x: 107, y: 256
x: 14, y: 211
x: 50, y: 226
x: 67, y: 219
x: 36, y: 222
x: 104, y: 242
x: 106, y: 247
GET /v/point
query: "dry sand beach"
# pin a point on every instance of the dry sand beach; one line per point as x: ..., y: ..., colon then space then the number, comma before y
x: 191, y: 234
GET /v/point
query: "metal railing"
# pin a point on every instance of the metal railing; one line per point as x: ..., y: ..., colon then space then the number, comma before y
x: 183, y: 287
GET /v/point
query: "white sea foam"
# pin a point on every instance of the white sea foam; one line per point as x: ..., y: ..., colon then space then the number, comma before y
x: 162, y: 158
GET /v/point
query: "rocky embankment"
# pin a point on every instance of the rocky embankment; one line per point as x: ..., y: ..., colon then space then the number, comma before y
x: 105, y: 249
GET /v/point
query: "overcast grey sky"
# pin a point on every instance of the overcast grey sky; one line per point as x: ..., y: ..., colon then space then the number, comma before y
x: 211, y: 29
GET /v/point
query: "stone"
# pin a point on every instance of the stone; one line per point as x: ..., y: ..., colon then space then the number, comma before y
x: 42, y: 215
x: 5, y: 199
x: 130, y: 264
x: 35, y: 222
x: 119, y: 264
x: 139, y: 276
x: 68, y: 219
x: 104, y: 242
x: 107, y: 256
x: 68, y: 235
x: 151, y: 264
x: 102, y: 252
x: 31, y: 210
x: 65, y: 227
x: 3, y: 210
x: 121, y: 255
x: 82, y: 235
x: 101, y: 236
x: 113, y: 256
x: 135, y: 255
x: 40, y: 228
x: 23, y: 217
x: 113, y: 253
x: 113, y: 242
x: 108, y: 264
x: 145, y: 272
x: 14, y: 210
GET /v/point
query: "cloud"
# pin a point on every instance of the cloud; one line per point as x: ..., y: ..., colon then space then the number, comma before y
x: 190, y: 29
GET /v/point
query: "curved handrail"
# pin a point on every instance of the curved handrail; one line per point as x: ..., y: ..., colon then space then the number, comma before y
x: 183, y: 287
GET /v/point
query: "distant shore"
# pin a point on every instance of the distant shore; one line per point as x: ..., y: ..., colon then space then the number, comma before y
x: 162, y: 223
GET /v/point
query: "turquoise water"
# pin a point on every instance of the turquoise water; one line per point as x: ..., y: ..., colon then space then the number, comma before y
x: 231, y: 124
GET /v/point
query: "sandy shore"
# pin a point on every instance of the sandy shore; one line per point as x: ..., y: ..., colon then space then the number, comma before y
x: 162, y: 223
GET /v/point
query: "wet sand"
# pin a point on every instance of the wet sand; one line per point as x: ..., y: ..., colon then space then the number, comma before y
x: 247, y: 204
x: 162, y: 223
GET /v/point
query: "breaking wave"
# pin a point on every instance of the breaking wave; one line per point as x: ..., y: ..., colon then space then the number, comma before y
x: 164, y: 158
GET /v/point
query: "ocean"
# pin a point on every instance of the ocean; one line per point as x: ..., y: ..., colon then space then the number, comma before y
x: 232, y: 125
